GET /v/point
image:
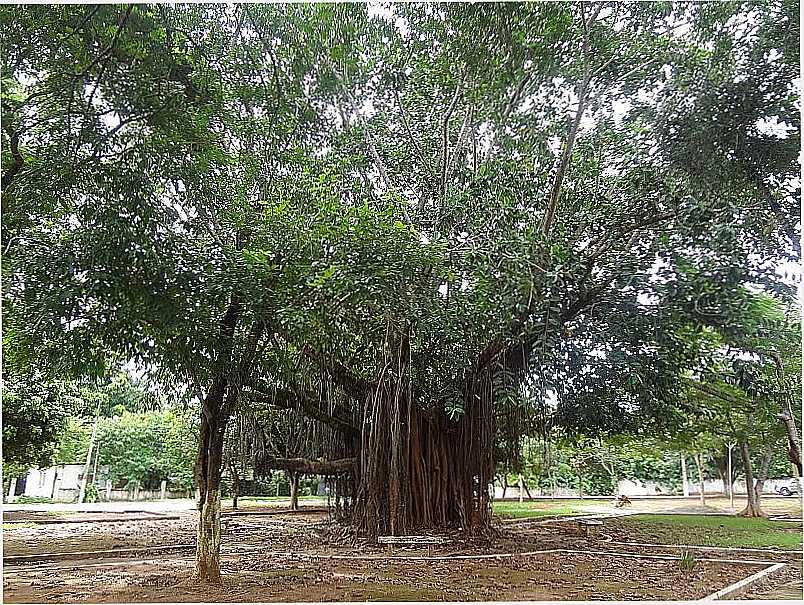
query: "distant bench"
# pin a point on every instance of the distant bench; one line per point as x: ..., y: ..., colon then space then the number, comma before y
x: 589, y: 526
x: 391, y: 541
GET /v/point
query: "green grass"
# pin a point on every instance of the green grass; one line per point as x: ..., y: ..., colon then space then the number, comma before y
x: 714, y: 530
x: 515, y: 510
x: 20, y: 525
x: 276, y: 498
x: 33, y: 500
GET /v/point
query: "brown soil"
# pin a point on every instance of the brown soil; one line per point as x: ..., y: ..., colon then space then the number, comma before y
x: 784, y: 584
x: 45, y: 517
x: 275, y: 578
x: 77, y: 537
x: 268, y: 558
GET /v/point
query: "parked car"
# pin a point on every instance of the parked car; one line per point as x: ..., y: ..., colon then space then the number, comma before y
x: 789, y: 488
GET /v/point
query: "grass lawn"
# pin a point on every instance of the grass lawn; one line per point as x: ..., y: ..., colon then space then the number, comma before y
x: 704, y: 530
x: 246, y: 501
x: 25, y: 524
x: 515, y: 510
x: 279, y: 498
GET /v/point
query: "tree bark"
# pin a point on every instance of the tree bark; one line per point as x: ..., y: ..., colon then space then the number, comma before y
x: 753, y: 507
x: 214, y: 417
x: 208, y: 476
x: 294, y: 491
x: 787, y: 417
x: 235, y: 485
x: 208, y: 539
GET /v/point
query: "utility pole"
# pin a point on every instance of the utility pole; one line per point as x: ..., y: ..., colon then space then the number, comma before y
x: 82, y: 492
x: 685, y: 482
x: 731, y: 480
x: 699, y: 464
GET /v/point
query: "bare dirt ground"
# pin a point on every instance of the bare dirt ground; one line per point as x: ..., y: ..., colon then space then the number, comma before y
x: 254, y: 579
x: 45, y: 517
x: 288, y: 557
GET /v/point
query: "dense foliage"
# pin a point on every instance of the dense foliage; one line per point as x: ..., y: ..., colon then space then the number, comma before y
x: 426, y: 229
x: 142, y: 448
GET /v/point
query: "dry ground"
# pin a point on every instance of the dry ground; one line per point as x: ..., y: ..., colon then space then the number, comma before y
x: 278, y: 558
x: 251, y: 578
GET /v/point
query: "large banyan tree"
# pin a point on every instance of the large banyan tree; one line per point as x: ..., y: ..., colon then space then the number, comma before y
x: 419, y: 227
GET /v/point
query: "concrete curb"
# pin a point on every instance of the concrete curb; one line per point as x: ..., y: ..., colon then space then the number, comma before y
x: 737, y: 587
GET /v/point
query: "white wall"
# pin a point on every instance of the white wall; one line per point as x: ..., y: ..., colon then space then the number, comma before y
x: 67, y: 478
x: 39, y: 482
x: 61, y: 482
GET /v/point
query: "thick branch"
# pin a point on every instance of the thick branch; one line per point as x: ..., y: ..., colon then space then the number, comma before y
x: 555, y: 192
x: 699, y: 386
x: 17, y: 160
x: 445, y: 135
x: 287, y: 400
x: 352, y: 384
x: 309, y: 467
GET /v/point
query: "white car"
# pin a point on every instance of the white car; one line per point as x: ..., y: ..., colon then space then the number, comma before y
x: 790, y: 487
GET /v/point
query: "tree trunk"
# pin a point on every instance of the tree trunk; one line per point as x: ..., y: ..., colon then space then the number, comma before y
x: 294, y: 491
x: 527, y: 491
x: 420, y: 471
x: 722, y: 466
x: 214, y: 416
x: 521, y: 489
x: 788, y: 419
x: 701, y: 489
x: 235, y: 485
x: 208, y: 540
x: 754, y: 506
x: 208, y: 476
x: 504, y: 485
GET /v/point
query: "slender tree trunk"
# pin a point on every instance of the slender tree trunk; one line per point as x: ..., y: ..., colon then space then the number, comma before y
x: 294, y: 491
x: 235, y: 485
x: 730, y: 474
x: 788, y: 419
x: 527, y: 491
x: 521, y: 489
x: 208, y: 476
x: 222, y: 398
x: 754, y: 490
x: 699, y: 464
x: 504, y: 485
x: 763, y: 474
x: 721, y: 464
